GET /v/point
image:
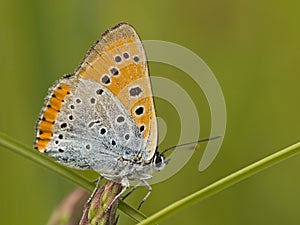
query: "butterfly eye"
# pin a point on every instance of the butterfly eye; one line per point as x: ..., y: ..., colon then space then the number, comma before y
x: 159, y: 160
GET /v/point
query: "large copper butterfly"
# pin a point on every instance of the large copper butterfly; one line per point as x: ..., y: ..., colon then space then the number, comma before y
x: 102, y: 117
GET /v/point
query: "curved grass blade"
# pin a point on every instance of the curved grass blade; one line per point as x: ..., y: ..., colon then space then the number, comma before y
x: 223, y: 183
x: 27, y: 152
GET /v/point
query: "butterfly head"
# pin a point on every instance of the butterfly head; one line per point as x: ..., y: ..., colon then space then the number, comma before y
x: 158, y: 161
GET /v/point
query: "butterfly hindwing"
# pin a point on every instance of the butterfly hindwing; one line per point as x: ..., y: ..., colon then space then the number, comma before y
x: 91, y: 125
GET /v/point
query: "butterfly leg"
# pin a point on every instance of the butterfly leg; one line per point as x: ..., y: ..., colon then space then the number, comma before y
x: 147, y: 195
x: 131, y: 190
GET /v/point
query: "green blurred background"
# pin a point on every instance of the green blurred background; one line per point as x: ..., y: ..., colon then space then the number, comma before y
x: 253, y: 49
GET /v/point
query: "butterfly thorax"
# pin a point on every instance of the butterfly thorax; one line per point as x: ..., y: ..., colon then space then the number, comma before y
x: 126, y: 170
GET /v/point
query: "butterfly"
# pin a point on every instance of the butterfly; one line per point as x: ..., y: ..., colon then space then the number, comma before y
x: 102, y: 117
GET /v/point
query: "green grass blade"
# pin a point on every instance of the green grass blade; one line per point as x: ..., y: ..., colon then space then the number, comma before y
x: 223, y: 183
x: 27, y: 152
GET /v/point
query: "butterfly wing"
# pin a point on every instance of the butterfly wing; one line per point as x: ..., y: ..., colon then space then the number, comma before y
x: 103, y: 112
x: 118, y: 61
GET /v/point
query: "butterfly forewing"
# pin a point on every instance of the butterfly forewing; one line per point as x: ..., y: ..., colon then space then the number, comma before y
x: 118, y: 62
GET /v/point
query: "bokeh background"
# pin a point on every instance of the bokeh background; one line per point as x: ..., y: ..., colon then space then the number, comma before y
x: 252, y: 48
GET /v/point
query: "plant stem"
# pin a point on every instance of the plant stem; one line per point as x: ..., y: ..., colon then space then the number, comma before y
x: 223, y: 183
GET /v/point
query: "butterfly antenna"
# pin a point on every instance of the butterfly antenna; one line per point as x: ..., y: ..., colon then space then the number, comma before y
x: 190, y: 143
